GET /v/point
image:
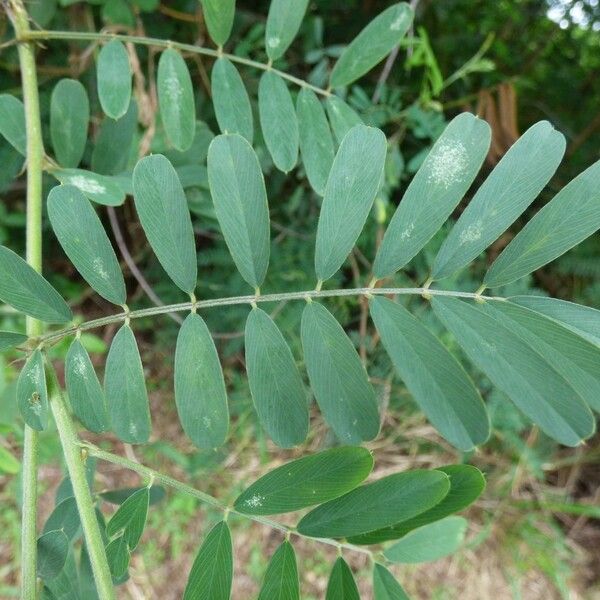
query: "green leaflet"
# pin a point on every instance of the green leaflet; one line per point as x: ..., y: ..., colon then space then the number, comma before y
x: 65, y: 517
x: 85, y: 392
x: 385, y: 586
x: 440, y: 183
x: 69, y: 120
x: 52, y: 550
x: 28, y: 292
x: 466, y: 485
x: 283, y: 23
x: 218, y: 15
x: 281, y: 578
x: 165, y: 217
x: 125, y: 388
x: 518, y: 370
x: 275, y: 382
x: 82, y: 237
x: 570, y: 217
x: 510, y: 188
x: 372, y: 44
x: 114, y: 79
x: 438, y: 382
x: 32, y: 392
x: 98, y: 188
x: 12, y: 122
x: 582, y: 320
x: 200, y: 392
x: 278, y: 121
x: 118, y: 557
x: 574, y: 358
x: 112, y: 149
x: 176, y: 99
x: 316, y: 143
x: 238, y: 191
x: 230, y: 100
x: 197, y: 152
x: 66, y: 584
x: 212, y: 571
x: 130, y: 518
x: 11, y: 339
x: 341, y: 584
x: 429, y: 542
x: 351, y: 188
x: 338, y: 378
x: 156, y: 494
x: 385, y: 502
x: 306, y: 481
x: 341, y: 116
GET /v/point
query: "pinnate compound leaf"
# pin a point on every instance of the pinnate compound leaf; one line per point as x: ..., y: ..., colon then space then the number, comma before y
x: 429, y: 542
x: 283, y: 23
x: 52, y: 550
x: 373, y: 506
x: 114, y: 79
x: 212, y: 572
x: 341, y: 117
x: 12, y: 122
x: 238, y: 191
x: 86, y: 396
x: 337, y: 376
x: 275, y: 382
x: 176, y: 99
x: 518, y: 370
x: 11, y: 339
x: 306, y: 481
x: 118, y: 557
x: 316, y: 143
x: 574, y: 358
x: 27, y: 291
x: 32, y: 392
x: 82, y: 237
x: 372, y: 44
x: 570, y: 217
x: 466, y: 485
x: 278, y: 121
x: 98, y: 188
x: 385, y: 586
x: 341, y: 584
x: 218, y: 15
x: 130, y: 518
x: 163, y: 210
x: 351, y: 188
x: 582, y: 320
x: 230, y: 100
x: 509, y: 189
x: 125, y: 388
x: 112, y: 149
x: 281, y: 578
x: 438, y: 382
x: 443, y: 179
x: 200, y: 392
x: 69, y: 120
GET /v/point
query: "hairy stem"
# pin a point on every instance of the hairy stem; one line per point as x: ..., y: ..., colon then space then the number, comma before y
x: 156, y: 42
x: 205, y: 498
x: 250, y: 299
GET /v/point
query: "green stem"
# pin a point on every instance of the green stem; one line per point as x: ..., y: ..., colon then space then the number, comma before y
x: 85, y: 504
x: 35, y: 155
x: 157, y: 42
x: 56, y: 336
x: 157, y: 476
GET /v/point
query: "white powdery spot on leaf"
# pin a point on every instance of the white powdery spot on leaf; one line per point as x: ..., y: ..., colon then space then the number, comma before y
x: 173, y: 88
x: 407, y: 232
x: 133, y: 430
x: 255, y: 501
x: 273, y: 42
x: 447, y: 163
x: 397, y: 23
x: 98, y: 267
x: 35, y: 376
x: 207, y: 422
x: 472, y: 233
x: 87, y: 185
x: 79, y: 366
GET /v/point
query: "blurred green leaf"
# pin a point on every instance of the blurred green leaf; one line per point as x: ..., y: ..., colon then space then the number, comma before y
x: 281, y: 578
x: 218, y: 15
x: 12, y: 122
x: 341, y: 584
x: 32, y: 392
x: 385, y: 586
x: 283, y: 23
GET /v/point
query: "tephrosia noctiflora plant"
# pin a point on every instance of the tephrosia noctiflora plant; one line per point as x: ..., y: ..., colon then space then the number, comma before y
x: 542, y: 353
